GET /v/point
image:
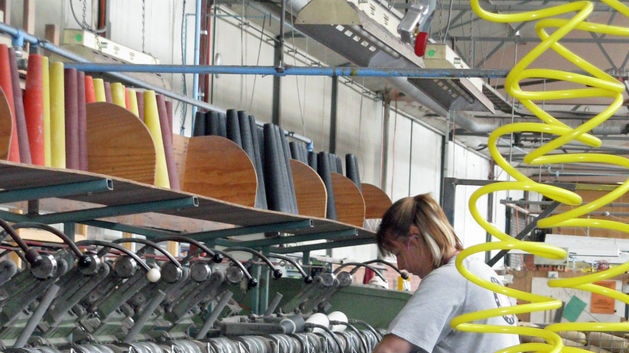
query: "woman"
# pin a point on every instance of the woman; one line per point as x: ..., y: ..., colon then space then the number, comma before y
x: 417, y: 232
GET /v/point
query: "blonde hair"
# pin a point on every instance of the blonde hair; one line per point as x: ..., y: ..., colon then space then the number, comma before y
x: 425, y: 213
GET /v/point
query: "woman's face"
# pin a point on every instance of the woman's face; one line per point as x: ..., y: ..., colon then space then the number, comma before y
x: 412, y: 253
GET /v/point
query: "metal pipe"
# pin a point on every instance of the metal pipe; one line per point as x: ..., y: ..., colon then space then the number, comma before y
x: 290, y: 70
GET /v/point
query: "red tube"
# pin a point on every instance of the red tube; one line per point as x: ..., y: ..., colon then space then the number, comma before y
x: 90, y: 94
x: 7, y: 88
x: 81, y: 119
x: 34, y: 108
x: 20, y: 120
x: 72, y: 119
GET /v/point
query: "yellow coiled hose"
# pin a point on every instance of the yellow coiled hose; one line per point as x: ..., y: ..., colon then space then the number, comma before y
x: 593, y: 82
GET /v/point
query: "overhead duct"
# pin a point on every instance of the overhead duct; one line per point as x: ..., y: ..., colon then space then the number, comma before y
x: 366, y: 33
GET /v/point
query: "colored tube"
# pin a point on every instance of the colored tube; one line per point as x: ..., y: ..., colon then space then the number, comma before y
x: 90, y: 95
x: 7, y: 87
x: 34, y: 108
x: 167, y: 138
x: 99, y: 90
x: 552, y: 24
x: 46, y: 111
x: 57, y: 116
x: 118, y: 94
x: 132, y: 101
x: 72, y: 119
x: 151, y: 119
x: 20, y: 120
x: 81, y: 119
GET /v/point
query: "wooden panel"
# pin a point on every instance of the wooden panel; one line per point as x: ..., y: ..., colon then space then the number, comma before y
x: 376, y: 201
x: 219, y: 168
x: 309, y: 189
x: 119, y: 144
x: 5, y: 126
x: 180, y: 148
x: 350, y: 206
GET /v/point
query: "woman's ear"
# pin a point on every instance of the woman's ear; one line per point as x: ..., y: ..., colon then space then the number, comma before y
x: 413, y: 231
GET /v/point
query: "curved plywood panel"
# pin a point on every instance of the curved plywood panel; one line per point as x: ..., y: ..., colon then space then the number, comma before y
x: 376, y: 201
x: 350, y: 206
x: 309, y: 190
x: 119, y: 144
x: 217, y: 167
x: 5, y: 126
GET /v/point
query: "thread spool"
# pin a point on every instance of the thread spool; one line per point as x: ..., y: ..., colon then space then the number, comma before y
x: 34, y: 108
x: 46, y: 111
x: 318, y: 319
x: 118, y: 94
x: 57, y: 116
x: 7, y: 88
x: 338, y: 316
x: 151, y: 119
x: 99, y: 90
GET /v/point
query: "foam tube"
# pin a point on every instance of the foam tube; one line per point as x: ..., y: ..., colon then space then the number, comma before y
x: 20, y: 119
x: 198, y: 129
x: 213, y: 123
x: 57, y: 116
x: 99, y: 90
x: 324, y: 170
x: 34, y: 108
x: 288, y: 173
x: 46, y: 111
x: 82, y: 119
x: 90, y: 95
x: 351, y: 169
x: 108, y: 97
x: 233, y: 128
x: 272, y: 170
x: 72, y: 119
x: 257, y: 151
x: 167, y: 138
x: 151, y: 119
x: 246, y: 136
x: 118, y: 94
x: 169, y: 113
x: 133, y: 102
x: 140, y: 98
x: 7, y: 88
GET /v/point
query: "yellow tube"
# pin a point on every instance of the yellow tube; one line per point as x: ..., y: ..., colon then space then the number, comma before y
x: 99, y: 90
x: 57, y: 116
x: 595, y: 82
x: 133, y: 102
x: 118, y: 94
x: 151, y: 119
x: 46, y: 112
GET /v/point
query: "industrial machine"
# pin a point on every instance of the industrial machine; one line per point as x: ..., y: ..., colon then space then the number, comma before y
x: 100, y: 297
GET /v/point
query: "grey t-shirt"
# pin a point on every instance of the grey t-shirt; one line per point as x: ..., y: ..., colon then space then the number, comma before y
x: 444, y: 294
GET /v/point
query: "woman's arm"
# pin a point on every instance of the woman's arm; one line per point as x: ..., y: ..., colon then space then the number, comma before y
x: 393, y: 344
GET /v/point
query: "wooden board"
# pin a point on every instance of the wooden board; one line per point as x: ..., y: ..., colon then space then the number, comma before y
x: 180, y: 148
x: 119, y: 144
x: 219, y: 168
x: 5, y: 126
x: 376, y: 201
x: 350, y: 205
x: 309, y: 189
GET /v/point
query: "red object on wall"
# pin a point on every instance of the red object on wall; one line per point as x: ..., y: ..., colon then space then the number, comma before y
x: 420, y: 43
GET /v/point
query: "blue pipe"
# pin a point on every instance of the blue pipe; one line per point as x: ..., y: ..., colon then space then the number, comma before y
x: 291, y: 70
